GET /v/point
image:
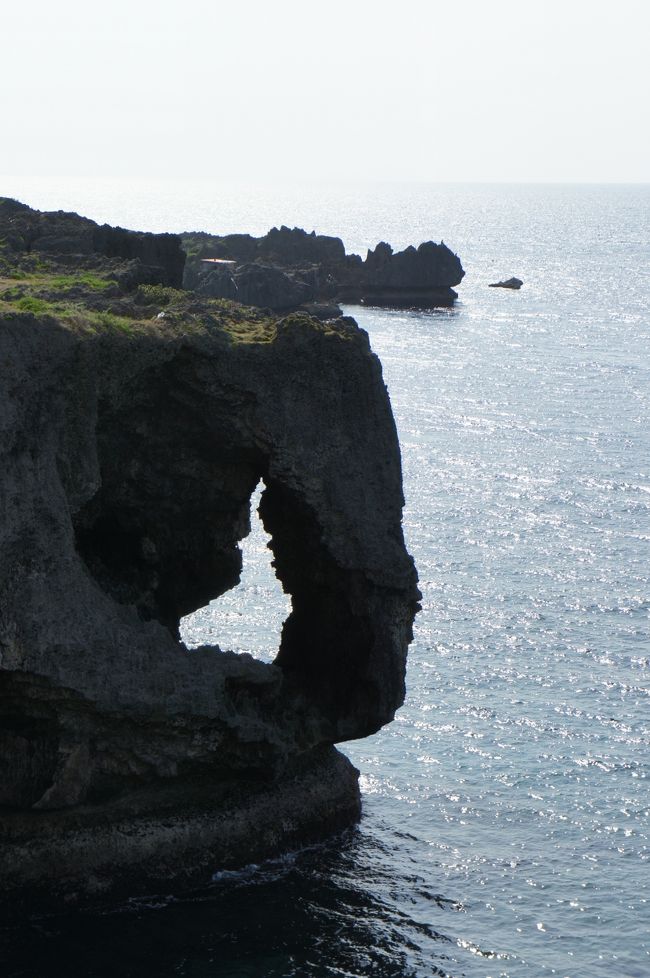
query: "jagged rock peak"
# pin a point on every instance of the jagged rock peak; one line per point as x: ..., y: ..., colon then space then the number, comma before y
x: 300, y: 268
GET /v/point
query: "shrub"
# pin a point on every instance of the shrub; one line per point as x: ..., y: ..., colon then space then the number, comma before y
x: 157, y: 295
x: 29, y: 303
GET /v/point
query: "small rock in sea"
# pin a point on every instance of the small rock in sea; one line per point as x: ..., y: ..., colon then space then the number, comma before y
x: 510, y: 283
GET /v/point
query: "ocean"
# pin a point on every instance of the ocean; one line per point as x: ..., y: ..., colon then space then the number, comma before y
x: 506, y: 809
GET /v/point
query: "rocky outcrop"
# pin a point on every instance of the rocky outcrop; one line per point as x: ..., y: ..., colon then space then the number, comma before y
x: 169, y: 837
x: 255, y: 284
x: 280, y: 246
x: 145, y: 258
x: 323, y: 310
x: 134, y: 428
x: 510, y: 283
x: 295, y: 268
x: 414, y: 277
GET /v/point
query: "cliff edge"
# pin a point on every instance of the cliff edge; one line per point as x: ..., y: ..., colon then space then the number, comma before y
x: 136, y: 420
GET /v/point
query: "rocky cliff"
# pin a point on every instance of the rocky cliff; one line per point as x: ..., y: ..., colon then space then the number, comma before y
x: 287, y: 268
x: 73, y: 241
x: 135, y: 421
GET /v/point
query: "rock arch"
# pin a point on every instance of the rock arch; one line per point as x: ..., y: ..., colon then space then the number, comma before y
x: 153, y: 447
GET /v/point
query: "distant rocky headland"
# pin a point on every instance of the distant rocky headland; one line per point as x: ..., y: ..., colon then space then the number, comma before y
x: 137, y: 417
x: 288, y: 268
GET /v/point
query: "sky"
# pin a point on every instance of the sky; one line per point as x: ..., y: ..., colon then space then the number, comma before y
x: 459, y: 90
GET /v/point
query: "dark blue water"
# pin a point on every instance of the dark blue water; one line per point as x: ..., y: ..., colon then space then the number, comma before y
x: 506, y: 810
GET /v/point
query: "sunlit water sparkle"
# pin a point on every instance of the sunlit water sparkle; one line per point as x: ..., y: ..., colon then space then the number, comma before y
x: 506, y: 809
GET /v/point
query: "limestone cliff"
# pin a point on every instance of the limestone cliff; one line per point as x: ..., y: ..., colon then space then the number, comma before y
x: 135, y: 422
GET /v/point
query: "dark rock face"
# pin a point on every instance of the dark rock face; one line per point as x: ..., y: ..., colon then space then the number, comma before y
x: 281, y: 246
x: 299, y: 268
x: 270, y: 287
x: 153, y: 257
x: 510, y: 283
x: 253, y: 284
x: 128, y: 460
x: 169, y: 837
x: 323, y: 310
x: 416, y: 276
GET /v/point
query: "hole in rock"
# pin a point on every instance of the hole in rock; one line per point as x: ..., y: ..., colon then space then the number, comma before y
x: 248, y: 618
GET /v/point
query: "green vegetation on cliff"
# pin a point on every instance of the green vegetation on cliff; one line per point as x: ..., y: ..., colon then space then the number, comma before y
x: 96, y: 279
x: 92, y: 302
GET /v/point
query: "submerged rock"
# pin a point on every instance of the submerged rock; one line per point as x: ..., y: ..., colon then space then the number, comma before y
x: 131, y: 443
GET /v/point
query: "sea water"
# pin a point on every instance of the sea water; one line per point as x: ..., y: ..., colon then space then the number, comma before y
x: 506, y: 809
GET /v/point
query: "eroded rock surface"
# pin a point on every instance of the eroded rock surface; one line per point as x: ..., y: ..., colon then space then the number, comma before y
x: 76, y: 242
x: 288, y: 268
x: 414, y: 277
x: 134, y: 427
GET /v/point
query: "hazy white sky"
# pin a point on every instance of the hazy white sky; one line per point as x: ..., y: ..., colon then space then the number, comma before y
x: 455, y: 90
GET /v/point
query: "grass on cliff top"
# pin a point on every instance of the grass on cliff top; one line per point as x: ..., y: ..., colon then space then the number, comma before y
x: 42, y: 278
x: 70, y: 314
x: 82, y: 302
x: 85, y: 279
x: 89, y: 303
x: 186, y: 312
x: 78, y: 300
